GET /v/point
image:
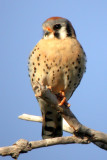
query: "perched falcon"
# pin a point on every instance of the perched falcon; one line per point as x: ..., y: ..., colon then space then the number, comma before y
x: 58, y: 60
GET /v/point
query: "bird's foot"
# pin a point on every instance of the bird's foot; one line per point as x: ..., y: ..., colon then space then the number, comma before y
x: 61, y: 97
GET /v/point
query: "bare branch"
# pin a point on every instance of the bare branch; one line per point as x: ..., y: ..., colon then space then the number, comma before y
x: 29, y: 117
x: 23, y: 146
x: 66, y: 127
x: 81, y: 133
x: 78, y: 128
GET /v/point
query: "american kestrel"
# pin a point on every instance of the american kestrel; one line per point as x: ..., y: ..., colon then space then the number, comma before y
x: 58, y: 60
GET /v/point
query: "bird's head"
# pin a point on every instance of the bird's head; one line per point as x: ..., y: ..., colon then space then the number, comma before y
x: 57, y: 27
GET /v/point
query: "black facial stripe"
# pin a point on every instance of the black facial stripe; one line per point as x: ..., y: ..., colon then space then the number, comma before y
x: 68, y: 29
x: 74, y: 33
x: 57, y: 35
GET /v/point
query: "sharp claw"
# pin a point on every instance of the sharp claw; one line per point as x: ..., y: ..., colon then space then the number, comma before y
x: 63, y: 101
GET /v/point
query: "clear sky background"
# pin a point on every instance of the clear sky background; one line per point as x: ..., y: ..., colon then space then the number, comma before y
x: 20, y: 30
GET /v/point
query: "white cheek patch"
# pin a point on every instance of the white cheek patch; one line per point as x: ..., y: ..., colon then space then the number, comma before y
x: 63, y: 33
x: 50, y: 36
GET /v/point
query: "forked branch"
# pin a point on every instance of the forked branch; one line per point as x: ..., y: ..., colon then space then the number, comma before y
x: 81, y: 133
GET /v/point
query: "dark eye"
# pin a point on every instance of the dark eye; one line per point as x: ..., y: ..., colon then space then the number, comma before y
x: 56, y: 26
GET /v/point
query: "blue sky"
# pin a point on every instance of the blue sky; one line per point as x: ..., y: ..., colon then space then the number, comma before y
x: 20, y: 30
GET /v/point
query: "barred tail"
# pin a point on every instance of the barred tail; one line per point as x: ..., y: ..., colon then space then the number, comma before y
x: 52, y: 121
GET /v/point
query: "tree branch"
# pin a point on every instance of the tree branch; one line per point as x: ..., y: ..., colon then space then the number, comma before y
x: 34, y: 118
x: 66, y: 127
x: 79, y: 130
x: 81, y: 133
x: 23, y: 146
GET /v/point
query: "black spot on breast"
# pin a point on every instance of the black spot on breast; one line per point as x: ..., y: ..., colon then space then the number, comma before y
x: 76, y: 67
x: 34, y: 68
x: 67, y: 77
x: 37, y: 58
x: 84, y: 53
x: 38, y: 64
x: 79, y: 76
x: 70, y: 81
x: 47, y: 66
x: 73, y: 63
x: 78, y: 60
x: 79, y: 70
x: 81, y: 46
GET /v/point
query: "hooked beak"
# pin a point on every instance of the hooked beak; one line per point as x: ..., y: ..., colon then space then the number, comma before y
x: 48, y: 29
